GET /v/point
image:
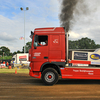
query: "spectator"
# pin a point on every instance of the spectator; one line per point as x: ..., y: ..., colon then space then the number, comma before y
x: 12, y: 64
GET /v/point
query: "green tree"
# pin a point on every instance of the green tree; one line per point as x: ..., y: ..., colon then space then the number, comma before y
x: 19, y: 51
x: 27, y: 47
x: 4, y: 51
x: 73, y: 44
x: 84, y: 43
x: 14, y: 53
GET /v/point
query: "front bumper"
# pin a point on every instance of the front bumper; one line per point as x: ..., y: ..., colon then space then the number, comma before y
x: 35, y: 74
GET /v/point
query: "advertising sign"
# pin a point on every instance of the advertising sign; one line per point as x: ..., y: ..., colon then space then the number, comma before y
x: 23, y: 58
x: 95, y: 56
x: 80, y: 56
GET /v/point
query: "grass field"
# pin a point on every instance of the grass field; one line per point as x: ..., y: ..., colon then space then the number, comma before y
x: 6, y: 70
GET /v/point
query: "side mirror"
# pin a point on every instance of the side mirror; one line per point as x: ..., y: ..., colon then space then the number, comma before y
x: 31, y: 36
x: 35, y: 47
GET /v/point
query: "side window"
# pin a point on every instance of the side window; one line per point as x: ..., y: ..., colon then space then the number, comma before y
x: 36, y: 41
x: 40, y: 40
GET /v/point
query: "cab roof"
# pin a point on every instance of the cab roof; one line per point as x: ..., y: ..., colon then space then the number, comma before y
x: 50, y: 30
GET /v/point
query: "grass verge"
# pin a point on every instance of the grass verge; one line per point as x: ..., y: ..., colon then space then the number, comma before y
x: 26, y: 71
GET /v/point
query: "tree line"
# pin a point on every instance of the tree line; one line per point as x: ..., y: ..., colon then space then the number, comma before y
x: 83, y: 43
x: 5, y: 52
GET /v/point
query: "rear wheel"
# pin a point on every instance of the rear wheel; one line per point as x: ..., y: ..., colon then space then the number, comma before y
x: 50, y: 76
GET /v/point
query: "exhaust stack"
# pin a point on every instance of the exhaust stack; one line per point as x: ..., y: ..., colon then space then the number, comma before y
x: 66, y: 35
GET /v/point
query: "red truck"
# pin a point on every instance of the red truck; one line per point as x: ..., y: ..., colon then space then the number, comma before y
x: 49, y: 59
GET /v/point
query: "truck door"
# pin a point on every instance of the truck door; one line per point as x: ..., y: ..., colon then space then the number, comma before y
x: 40, y: 50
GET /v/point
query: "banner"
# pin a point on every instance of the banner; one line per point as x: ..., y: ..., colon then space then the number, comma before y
x: 80, y: 56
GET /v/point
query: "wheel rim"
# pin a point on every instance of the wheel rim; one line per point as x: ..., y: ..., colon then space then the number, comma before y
x: 49, y: 76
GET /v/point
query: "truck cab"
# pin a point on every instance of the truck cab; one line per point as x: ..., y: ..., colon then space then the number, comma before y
x: 47, y: 50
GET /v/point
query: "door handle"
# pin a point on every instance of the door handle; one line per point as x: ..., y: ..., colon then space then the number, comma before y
x: 45, y: 57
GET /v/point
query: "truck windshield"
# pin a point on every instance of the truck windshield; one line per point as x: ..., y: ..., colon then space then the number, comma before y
x: 40, y: 40
x: 13, y: 59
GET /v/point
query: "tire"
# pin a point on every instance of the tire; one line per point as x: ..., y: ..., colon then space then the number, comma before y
x: 50, y: 76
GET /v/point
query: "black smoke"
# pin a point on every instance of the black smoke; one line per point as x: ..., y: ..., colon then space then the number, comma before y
x: 67, y: 10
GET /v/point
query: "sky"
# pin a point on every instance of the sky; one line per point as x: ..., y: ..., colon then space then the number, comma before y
x: 45, y: 13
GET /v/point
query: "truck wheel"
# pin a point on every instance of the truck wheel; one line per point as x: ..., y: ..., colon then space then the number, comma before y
x: 50, y: 76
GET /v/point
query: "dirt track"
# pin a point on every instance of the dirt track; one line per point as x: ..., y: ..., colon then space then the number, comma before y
x: 24, y: 87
